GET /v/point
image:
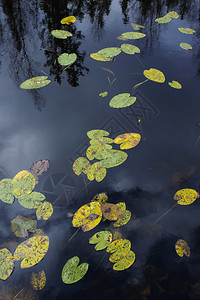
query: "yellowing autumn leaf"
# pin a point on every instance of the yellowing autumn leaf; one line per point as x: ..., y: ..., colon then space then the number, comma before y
x: 126, y: 215
x: 119, y: 248
x: 23, y: 182
x: 125, y: 262
x: 6, y: 263
x: 101, y: 198
x: 99, y: 57
x: 186, y: 196
x: 154, y: 75
x: 182, y: 248
x: 38, y: 280
x: 68, y: 20
x: 111, y: 211
x: 44, y: 211
x: 128, y: 140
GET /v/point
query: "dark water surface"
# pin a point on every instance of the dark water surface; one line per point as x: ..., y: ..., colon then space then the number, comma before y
x: 52, y: 123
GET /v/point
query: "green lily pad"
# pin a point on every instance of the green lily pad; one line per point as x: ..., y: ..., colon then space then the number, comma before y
x: 80, y: 165
x: 109, y: 52
x: 96, y: 172
x: 111, y: 158
x: 175, y: 84
x: 119, y: 248
x: 173, y: 14
x: 97, y: 133
x: 6, y: 263
x: 136, y: 26
x: 66, y: 59
x: 61, y: 34
x: 21, y: 225
x: 35, y: 83
x: 101, y: 141
x: 31, y: 201
x: 185, y: 46
x: 133, y: 35
x: 71, y: 272
x: 44, y: 211
x: 163, y: 20
x: 6, y: 191
x: 130, y: 49
x: 94, y: 149
x: 23, y: 182
x: 103, y: 94
x: 102, y: 239
x: 121, y: 38
x: 186, y: 30
x: 125, y: 262
x: 122, y: 100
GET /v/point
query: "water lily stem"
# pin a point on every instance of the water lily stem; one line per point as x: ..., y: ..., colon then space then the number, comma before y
x: 72, y: 236
x: 165, y: 213
x: 99, y: 264
x: 89, y: 255
x: 137, y: 85
x: 86, y: 188
x: 4, y: 173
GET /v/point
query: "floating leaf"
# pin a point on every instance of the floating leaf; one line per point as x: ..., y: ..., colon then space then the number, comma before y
x: 102, y: 239
x: 128, y: 140
x: 173, y: 14
x: 71, y: 272
x: 165, y: 19
x: 186, y: 30
x: 68, y: 20
x: 101, y: 198
x: 61, y: 34
x: 96, y: 172
x: 111, y: 211
x: 133, y: 35
x: 80, y: 165
x: 31, y: 201
x: 66, y: 59
x: 119, y: 248
x: 32, y: 251
x: 6, y: 263
x: 126, y: 215
x: 109, y: 52
x: 125, y: 262
x: 111, y: 158
x: 6, y: 191
x: 99, y: 57
x: 88, y: 216
x: 35, y: 83
x: 136, y: 26
x: 104, y: 94
x: 182, y: 248
x: 122, y: 38
x: 175, y: 84
x: 94, y: 149
x: 40, y: 167
x: 97, y: 133
x: 122, y: 100
x: 23, y: 182
x: 44, y: 211
x: 38, y: 280
x: 101, y: 141
x: 185, y: 46
x: 130, y: 49
x: 186, y: 196
x: 154, y: 75
x: 21, y: 225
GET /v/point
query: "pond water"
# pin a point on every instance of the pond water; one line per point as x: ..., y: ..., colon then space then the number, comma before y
x: 52, y: 123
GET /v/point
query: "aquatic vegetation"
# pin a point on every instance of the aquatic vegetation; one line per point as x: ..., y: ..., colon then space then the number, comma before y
x: 182, y: 248
x: 186, y: 196
x: 31, y: 201
x: 44, y: 211
x: 101, y: 198
x: 137, y: 26
x: 13, y: 292
x: 125, y: 217
x: 133, y: 35
x: 68, y: 20
x: 125, y: 263
x: 128, y: 140
x: 122, y: 100
x: 22, y: 225
x: 163, y: 20
x: 175, y: 84
x: 102, y: 239
x: 23, y: 183
x: 103, y: 94
x: 66, y: 59
x: 109, y: 52
x: 186, y: 30
x: 35, y: 82
x: 185, y: 46
x: 6, y: 194
x: 61, y: 34
x: 154, y: 75
x: 71, y: 272
x: 111, y: 211
x: 40, y: 167
x: 6, y: 263
x: 99, y: 57
x: 38, y: 280
x: 130, y: 49
x: 119, y: 248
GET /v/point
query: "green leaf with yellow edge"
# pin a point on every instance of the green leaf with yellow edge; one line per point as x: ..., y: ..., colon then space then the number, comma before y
x: 94, y: 149
x: 103, y: 94
x: 101, y: 198
x: 186, y: 30
x: 119, y: 248
x: 23, y: 183
x: 68, y: 20
x: 87, y: 216
x: 35, y: 83
x: 173, y: 14
x: 38, y: 280
x: 136, y: 26
x: 44, y: 211
x: 97, y: 133
x: 126, y: 215
x: 111, y: 158
x: 111, y: 211
x: 130, y: 49
x: 96, y: 172
x: 32, y: 251
x: 71, y: 272
x: 99, y: 57
x: 122, y: 100
x: 110, y: 52
x: 133, y: 35
x: 128, y: 140
x: 80, y: 165
x: 182, y: 248
x: 185, y: 46
x: 31, y: 201
x: 6, y: 194
x: 163, y: 20
x: 175, y: 84
x: 61, y: 34
x: 125, y: 262
x: 154, y: 75
x: 186, y: 196
x: 6, y: 263
x: 66, y: 59
x: 21, y: 225
x: 102, y: 239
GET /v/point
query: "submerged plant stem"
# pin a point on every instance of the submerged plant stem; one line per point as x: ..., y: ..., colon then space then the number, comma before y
x: 48, y: 50
x: 86, y: 188
x: 89, y: 255
x: 72, y: 236
x: 138, y: 84
x: 4, y: 173
x: 165, y: 213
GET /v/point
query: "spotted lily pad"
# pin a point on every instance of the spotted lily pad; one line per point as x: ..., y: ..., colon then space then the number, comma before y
x: 163, y: 20
x: 6, y: 194
x: 182, y: 248
x: 154, y: 75
x: 68, y: 20
x: 175, y: 84
x: 94, y: 149
x: 125, y: 262
x: 97, y: 133
x: 38, y: 280
x: 173, y: 14
x: 21, y: 225
x: 186, y: 196
x: 133, y: 35
x: 40, y: 167
x: 35, y: 83
x: 130, y: 49
x: 44, y: 211
x: 111, y: 211
x: 136, y: 26
x: 102, y: 239
x: 96, y: 172
x: 103, y: 94
x: 128, y: 140
x: 66, y: 59
x: 122, y: 100
x: 61, y: 34
x: 111, y: 158
x: 121, y: 38
x: 109, y: 52
x: 99, y: 57
x: 186, y: 30
x: 71, y: 272
x: 23, y: 182
x: 126, y: 215
x: 101, y: 141
x: 119, y: 248
x: 31, y: 201
x: 101, y: 198
x: 185, y: 46
x: 80, y: 165
x: 6, y: 263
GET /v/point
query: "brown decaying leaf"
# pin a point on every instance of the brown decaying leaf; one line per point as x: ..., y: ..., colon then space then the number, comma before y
x: 111, y: 211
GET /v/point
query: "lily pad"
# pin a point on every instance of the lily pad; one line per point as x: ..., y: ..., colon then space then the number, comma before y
x: 154, y: 75
x: 185, y: 46
x: 80, y: 165
x: 122, y: 100
x: 186, y: 196
x: 38, y: 280
x: 133, y: 35
x: 121, y: 38
x: 35, y: 83
x: 32, y: 251
x: 66, y: 59
x: 111, y: 211
x: 68, y: 20
x: 125, y: 262
x: 71, y: 272
x: 99, y: 57
x: 111, y: 158
x: 101, y: 141
x: 101, y: 198
x: 186, y: 30
x: 6, y: 194
x: 125, y: 218
x: 97, y: 133
x: 173, y: 14
x: 128, y: 140
x: 102, y: 239
x: 163, y: 20
x: 61, y: 34
x: 182, y: 248
x: 175, y: 84
x: 94, y: 149
x: 40, y: 167
x: 31, y: 201
x: 21, y: 225
x: 103, y: 94
x: 109, y: 52
x: 44, y: 211
x: 136, y: 26
x: 23, y: 182
x: 96, y: 172
x: 6, y: 263
x: 130, y: 49
x: 119, y: 248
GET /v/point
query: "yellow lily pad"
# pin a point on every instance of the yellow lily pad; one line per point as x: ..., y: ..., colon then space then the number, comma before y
x: 186, y: 196
x: 122, y: 100
x: 154, y: 75
x: 101, y: 198
x: 68, y: 20
x: 96, y: 172
x: 128, y: 140
x: 173, y: 14
x: 182, y: 248
x: 137, y: 26
x: 103, y: 94
x: 175, y: 84
x: 111, y: 211
x: 126, y: 215
x: 80, y: 165
x: 44, y: 211
x: 125, y: 262
x: 163, y: 20
x: 38, y: 280
x: 6, y: 263
x: 23, y: 182
x: 185, y: 46
x: 119, y: 248
x: 186, y: 30
x: 99, y: 57
x: 133, y: 35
